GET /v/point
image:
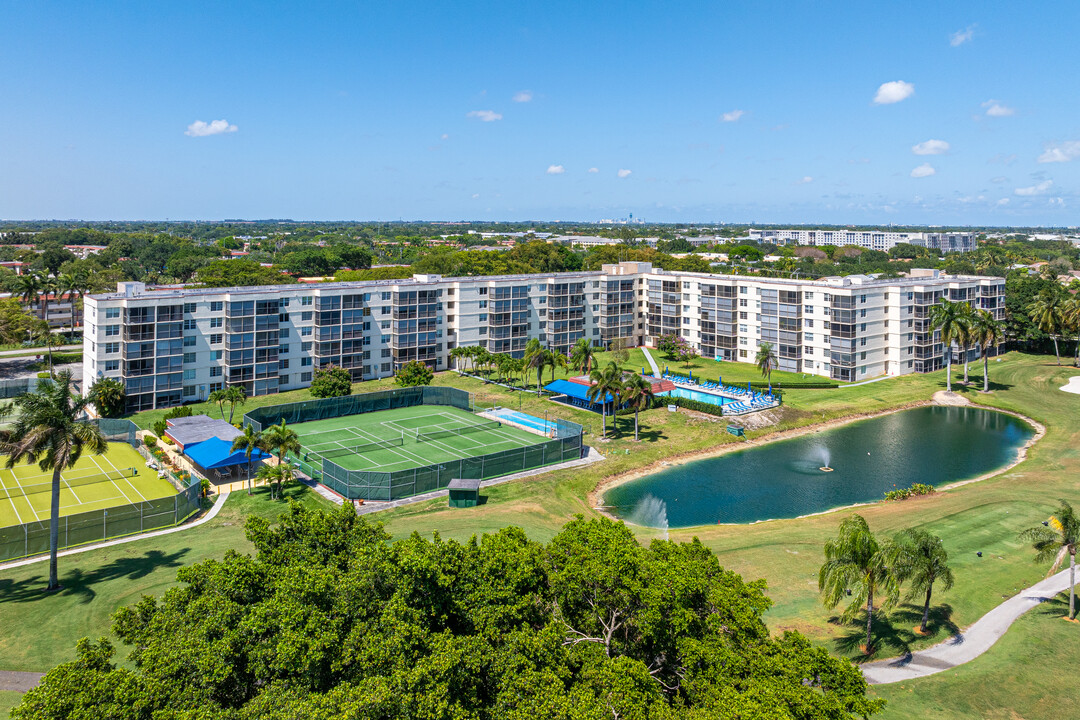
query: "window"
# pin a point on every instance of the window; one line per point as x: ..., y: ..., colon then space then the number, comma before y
x: 385, y: 296
x: 386, y: 352
x: 481, y: 291
x: 808, y: 350
x: 283, y: 333
x: 216, y: 354
x: 112, y: 313
x: 482, y: 304
x: 111, y: 365
x: 742, y: 315
x: 305, y: 377
x: 216, y: 386
x: 306, y: 331
x: 189, y: 374
x: 305, y: 362
x: 283, y: 365
x: 808, y: 322
x: 216, y: 322
x: 215, y: 339
x: 215, y: 371
x: 113, y: 347
x: 217, y: 306
x: 284, y: 302
x: 742, y: 302
x: 808, y: 295
x: 189, y: 390
x: 305, y: 347
x: 384, y: 310
x: 385, y: 339
x: 742, y: 353
x: 383, y: 325
x: 742, y: 291
x: 808, y: 309
x: 284, y: 349
x: 385, y: 367
x: 189, y: 308
x: 305, y: 300
x: 112, y: 330
x: 190, y: 324
x: 189, y: 357
x: 307, y: 315
x: 189, y: 341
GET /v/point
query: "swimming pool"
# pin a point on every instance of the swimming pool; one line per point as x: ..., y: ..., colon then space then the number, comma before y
x: 698, y: 395
x: 530, y: 421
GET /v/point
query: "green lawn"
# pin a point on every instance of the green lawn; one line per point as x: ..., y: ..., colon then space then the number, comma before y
x: 984, y: 516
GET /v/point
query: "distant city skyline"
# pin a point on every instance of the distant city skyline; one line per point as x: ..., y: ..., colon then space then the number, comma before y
x: 915, y: 114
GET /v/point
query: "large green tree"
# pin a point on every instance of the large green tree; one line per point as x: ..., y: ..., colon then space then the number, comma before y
x: 1055, y: 539
x: 919, y: 559
x: 329, y: 619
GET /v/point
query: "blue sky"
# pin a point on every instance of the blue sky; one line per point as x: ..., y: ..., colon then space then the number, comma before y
x: 922, y: 113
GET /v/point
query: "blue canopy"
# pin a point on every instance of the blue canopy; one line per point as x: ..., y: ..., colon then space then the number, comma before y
x: 218, y: 453
x: 572, y: 389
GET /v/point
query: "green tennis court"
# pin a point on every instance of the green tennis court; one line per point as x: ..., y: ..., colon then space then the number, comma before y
x: 406, y: 438
x: 119, y: 477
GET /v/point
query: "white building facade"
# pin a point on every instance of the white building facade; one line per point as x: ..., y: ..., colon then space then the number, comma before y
x: 179, y: 345
x: 869, y: 239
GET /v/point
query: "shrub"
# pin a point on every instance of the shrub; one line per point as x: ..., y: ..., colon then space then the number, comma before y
x: 43, y: 375
x: 159, y: 427
x: 414, y: 374
x: 914, y: 491
x: 150, y: 441
x: 331, y: 382
x: 108, y: 396
x: 167, y: 440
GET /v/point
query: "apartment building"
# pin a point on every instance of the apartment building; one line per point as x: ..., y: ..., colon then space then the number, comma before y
x: 869, y: 239
x: 178, y: 345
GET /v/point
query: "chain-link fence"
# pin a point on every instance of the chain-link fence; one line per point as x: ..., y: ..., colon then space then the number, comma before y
x: 32, y: 538
x: 308, y: 410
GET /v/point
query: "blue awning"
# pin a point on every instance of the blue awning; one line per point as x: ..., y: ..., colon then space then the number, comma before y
x: 218, y: 453
x: 572, y: 389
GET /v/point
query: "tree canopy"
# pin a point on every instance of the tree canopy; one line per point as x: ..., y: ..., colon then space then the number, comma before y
x: 331, y: 620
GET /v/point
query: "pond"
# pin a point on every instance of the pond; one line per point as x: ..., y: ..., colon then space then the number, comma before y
x: 931, y: 445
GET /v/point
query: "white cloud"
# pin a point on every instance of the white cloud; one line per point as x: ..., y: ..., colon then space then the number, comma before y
x: 960, y: 37
x: 1003, y: 202
x: 996, y: 109
x: 1057, y: 201
x: 523, y: 96
x: 202, y: 129
x: 924, y: 170
x: 555, y: 170
x: 594, y: 170
x: 624, y: 173
x: 931, y: 147
x: 893, y: 92
x: 1062, y: 152
x: 485, y: 115
x: 444, y: 136
x: 732, y: 116
x: 998, y: 179
x: 804, y: 180
x: 475, y: 196
x: 1034, y: 189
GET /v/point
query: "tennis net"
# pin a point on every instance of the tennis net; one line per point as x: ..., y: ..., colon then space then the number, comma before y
x: 68, y: 481
x: 356, y: 449
x: 439, y: 434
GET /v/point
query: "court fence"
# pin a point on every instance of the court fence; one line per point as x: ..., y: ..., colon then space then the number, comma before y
x: 32, y: 538
x: 565, y: 444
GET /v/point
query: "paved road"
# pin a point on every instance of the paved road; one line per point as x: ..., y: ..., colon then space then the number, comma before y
x: 968, y: 645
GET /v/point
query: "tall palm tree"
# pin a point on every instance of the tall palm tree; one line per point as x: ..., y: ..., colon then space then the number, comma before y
x: 964, y: 337
x: 986, y: 332
x: 1056, y: 538
x: 558, y: 360
x: 919, y: 558
x: 606, y: 381
x: 539, y: 360
x: 275, y: 475
x: 234, y: 395
x: 74, y: 284
x: 220, y: 397
x: 249, y: 442
x: 48, y: 431
x: 638, y: 395
x: 1045, y: 311
x: 48, y: 287
x: 766, y: 360
x: 28, y: 288
x: 947, y: 318
x: 855, y: 561
x: 281, y: 440
x: 1070, y: 315
x: 582, y: 355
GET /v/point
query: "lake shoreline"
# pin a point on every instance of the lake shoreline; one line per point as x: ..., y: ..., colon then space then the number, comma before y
x: 939, y: 399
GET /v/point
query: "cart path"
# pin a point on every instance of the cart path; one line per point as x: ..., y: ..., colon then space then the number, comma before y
x: 652, y: 363
x: 970, y: 644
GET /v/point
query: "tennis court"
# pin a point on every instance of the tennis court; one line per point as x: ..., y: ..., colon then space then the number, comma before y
x: 119, y: 477
x: 406, y: 438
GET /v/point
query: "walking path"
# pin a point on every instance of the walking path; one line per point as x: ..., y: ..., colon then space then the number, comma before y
x: 40, y: 351
x: 652, y: 363
x: 970, y: 644
x: 864, y: 382
x: 19, y: 681
x: 120, y: 541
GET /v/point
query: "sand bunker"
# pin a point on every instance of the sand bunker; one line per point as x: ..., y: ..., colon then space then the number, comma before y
x: 1073, y: 386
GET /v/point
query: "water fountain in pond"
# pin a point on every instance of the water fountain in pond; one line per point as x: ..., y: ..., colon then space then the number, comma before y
x: 822, y: 452
x: 651, y: 511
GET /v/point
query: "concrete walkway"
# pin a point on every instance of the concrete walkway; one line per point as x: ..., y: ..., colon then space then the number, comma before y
x: 120, y: 541
x: 970, y: 644
x: 20, y: 682
x: 864, y: 382
x: 652, y: 363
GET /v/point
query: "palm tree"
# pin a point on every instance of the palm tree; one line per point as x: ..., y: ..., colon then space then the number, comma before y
x: 220, y: 397
x: 28, y: 287
x: 1070, y: 315
x: 918, y: 557
x: 1056, y: 538
x: 947, y: 317
x: 74, y: 284
x: 49, y: 340
x: 964, y: 337
x: 249, y: 442
x: 281, y: 440
x: 766, y: 360
x: 986, y: 332
x: 582, y: 355
x: 234, y: 395
x: 539, y: 359
x: 1046, y: 312
x: 854, y: 562
x: 48, y: 286
x: 275, y: 475
x: 606, y: 381
x: 48, y: 431
x: 558, y: 360
x: 639, y: 395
